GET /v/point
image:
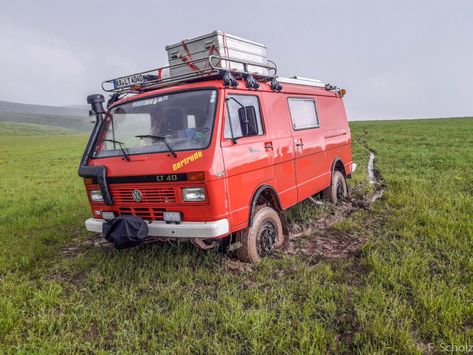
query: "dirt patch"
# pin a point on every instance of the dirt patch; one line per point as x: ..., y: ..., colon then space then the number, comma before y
x: 93, y: 331
x: 319, y: 240
x: 238, y: 267
x: 78, y: 245
x: 374, y: 178
x: 371, y: 176
x: 95, y: 240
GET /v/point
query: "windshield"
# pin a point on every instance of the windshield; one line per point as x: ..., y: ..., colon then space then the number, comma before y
x: 183, y: 120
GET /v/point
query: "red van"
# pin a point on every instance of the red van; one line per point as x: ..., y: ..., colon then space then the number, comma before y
x: 217, y: 157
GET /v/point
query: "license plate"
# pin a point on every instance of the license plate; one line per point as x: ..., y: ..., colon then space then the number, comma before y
x: 129, y: 80
x: 174, y: 217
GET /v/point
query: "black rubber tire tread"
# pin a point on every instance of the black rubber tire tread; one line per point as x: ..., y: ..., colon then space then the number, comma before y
x: 248, y: 252
x: 330, y: 193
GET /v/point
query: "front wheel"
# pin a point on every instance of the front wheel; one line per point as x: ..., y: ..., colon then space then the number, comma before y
x: 338, y: 190
x: 263, y: 238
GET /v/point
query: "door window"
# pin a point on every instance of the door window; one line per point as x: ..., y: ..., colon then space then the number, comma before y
x: 242, y: 117
x: 303, y: 113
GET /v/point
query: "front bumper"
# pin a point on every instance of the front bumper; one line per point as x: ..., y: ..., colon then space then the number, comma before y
x: 201, y: 230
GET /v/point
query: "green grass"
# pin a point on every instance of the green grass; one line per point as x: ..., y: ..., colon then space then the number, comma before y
x: 410, y: 285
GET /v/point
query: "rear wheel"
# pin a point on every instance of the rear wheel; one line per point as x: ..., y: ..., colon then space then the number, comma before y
x: 263, y: 238
x: 338, y: 190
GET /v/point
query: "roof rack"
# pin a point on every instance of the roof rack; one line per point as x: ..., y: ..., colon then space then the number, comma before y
x: 215, y: 67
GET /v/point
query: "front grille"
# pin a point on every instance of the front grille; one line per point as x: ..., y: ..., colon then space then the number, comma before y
x: 143, y: 212
x: 151, y: 194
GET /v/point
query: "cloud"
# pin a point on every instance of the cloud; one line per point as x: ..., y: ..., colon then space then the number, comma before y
x: 396, y: 58
x: 43, y: 68
x: 31, y: 62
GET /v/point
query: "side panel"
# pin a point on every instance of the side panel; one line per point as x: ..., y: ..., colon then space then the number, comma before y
x: 337, y: 135
x: 279, y: 127
x: 311, y: 162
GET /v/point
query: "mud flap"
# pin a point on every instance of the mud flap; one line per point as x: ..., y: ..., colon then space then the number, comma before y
x: 125, y: 232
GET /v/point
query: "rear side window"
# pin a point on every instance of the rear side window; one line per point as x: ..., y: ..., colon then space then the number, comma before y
x: 242, y: 117
x: 303, y: 113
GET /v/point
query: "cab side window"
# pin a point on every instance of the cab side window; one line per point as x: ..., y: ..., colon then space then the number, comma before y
x: 242, y: 117
x: 303, y: 113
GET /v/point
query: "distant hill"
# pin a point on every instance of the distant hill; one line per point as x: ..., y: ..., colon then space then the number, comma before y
x: 74, y: 117
x: 30, y: 129
x: 72, y: 110
x: 83, y: 108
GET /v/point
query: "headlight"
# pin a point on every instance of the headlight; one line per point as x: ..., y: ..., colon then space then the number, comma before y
x: 96, y: 196
x: 193, y: 194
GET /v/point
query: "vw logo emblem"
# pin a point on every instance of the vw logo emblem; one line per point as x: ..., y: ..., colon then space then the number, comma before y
x: 137, y: 195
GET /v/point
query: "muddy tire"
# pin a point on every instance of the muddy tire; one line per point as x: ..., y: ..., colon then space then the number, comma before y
x: 338, y: 190
x: 263, y: 238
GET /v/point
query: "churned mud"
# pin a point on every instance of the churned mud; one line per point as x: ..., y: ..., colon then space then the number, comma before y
x: 374, y: 177
x: 318, y: 239
x: 76, y: 247
x: 371, y: 176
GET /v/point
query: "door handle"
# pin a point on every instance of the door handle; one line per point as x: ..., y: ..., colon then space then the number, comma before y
x: 268, y: 145
x: 300, y: 144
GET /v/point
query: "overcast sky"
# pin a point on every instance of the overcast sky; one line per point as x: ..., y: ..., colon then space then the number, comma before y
x: 397, y: 59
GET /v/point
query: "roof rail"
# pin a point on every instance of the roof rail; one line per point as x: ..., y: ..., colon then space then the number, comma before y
x: 214, y: 66
x: 302, y: 81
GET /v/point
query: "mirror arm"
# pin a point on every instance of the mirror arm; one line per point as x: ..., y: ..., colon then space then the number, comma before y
x: 234, y: 140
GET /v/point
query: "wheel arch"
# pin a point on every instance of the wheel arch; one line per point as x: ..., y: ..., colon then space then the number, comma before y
x: 337, y: 165
x: 270, y: 194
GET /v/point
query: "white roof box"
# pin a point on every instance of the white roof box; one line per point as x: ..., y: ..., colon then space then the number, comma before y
x: 196, y: 51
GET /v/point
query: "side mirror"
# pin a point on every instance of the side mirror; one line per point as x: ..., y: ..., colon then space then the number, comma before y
x: 248, y: 122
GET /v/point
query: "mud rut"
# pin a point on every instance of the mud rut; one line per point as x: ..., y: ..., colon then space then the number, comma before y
x: 317, y: 239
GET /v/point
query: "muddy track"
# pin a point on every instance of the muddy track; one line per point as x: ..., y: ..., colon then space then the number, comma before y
x: 317, y: 239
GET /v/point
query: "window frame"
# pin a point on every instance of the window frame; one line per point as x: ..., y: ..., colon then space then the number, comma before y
x: 259, y: 111
x: 303, y: 99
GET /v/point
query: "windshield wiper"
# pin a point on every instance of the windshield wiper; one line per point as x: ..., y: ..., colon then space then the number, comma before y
x: 120, y: 144
x: 159, y: 138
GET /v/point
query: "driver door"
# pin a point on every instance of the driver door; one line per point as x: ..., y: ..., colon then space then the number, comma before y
x: 247, y: 153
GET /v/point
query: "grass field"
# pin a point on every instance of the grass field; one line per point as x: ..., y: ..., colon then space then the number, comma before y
x: 28, y: 129
x: 407, y: 290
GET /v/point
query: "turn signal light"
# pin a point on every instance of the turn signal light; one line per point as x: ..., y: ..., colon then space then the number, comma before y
x: 88, y: 181
x: 342, y: 92
x: 196, y: 176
